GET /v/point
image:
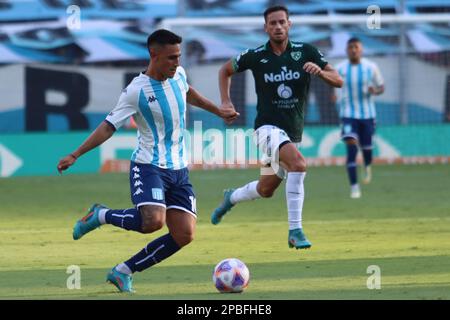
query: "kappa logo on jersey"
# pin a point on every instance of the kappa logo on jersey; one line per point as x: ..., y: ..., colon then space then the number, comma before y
x: 152, y: 99
x: 263, y: 60
x: 285, y: 75
x: 138, y: 191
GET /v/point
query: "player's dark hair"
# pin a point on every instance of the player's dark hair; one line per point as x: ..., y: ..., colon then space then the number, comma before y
x: 163, y: 37
x: 274, y: 9
x: 353, y: 40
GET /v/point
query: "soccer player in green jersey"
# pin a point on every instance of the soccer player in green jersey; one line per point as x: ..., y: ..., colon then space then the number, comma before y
x: 282, y: 69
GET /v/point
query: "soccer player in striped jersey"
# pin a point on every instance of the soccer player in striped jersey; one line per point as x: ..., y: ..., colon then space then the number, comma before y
x: 282, y: 70
x: 362, y: 81
x: 159, y: 181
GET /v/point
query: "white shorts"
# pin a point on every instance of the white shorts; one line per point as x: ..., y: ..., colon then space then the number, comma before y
x: 268, y: 138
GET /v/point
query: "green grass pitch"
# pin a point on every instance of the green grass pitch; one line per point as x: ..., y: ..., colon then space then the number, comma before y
x: 401, y: 224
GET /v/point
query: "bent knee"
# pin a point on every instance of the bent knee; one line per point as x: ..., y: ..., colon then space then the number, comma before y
x: 152, y: 226
x: 351, y: 141
x: 297, y: 166
x: 265, y: 192
x: 152, y: 219
x: 183, y: 239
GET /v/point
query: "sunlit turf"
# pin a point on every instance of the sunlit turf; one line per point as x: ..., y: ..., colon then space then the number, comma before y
x: 401, y: 224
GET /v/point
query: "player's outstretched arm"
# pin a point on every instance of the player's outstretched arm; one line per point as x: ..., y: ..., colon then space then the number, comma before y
x: 327, y: 74
x: 225, y: 73
x: 103, y: 132
x: 195, y: 98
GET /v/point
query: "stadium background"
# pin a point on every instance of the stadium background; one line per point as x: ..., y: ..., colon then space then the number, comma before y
x: 57, y: 84
x: 64, y: 79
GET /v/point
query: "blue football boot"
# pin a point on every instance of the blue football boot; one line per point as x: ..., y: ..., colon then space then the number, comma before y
x: 122, y: 281
x: 298, y: 239
x: 225, y: 206
x: 88, y: 223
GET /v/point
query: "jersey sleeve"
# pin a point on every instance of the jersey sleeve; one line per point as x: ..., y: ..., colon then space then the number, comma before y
x: 340, y: 68
x: 243, y: 61
x: 377, y: 77
x: 316, y: 56
x: 125, y: 108
x: 183, y: 77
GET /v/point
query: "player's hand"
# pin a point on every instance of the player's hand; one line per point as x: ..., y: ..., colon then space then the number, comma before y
x: 228, y: 115
x: 372, y: 90
x: 312, y: 68
x: 66, y: 162
x: 228, y: 112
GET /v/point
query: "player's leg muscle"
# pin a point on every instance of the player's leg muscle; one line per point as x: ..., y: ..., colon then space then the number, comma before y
x: 153, y: 218
x: 291, y: 159
x: 181, y: 226
x: 267, y: 185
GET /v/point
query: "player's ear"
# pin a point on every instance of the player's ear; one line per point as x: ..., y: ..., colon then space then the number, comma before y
x: 154, y: 50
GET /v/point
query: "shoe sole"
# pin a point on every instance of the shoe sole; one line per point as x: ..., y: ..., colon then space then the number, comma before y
x: 117, y: 286
x: 299, y: 247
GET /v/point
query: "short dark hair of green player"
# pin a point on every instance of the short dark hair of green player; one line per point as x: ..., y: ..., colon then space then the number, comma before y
x: 162, y: 37
x: 274, y: 9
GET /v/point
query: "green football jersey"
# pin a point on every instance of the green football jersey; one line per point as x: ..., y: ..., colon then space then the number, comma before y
x: 281, y: 84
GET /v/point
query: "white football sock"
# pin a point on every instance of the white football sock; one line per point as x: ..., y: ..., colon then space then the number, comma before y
x: 123, y: 268
x: 101, y: 216
x: 295, y: 195
x: 245, y: 193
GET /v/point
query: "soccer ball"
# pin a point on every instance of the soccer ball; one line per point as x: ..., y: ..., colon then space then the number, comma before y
x: 231, y: 275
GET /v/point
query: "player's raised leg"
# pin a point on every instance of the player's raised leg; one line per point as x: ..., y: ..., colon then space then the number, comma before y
x: 264, y: 188
x: 128, y: 219
x: 294, y: 162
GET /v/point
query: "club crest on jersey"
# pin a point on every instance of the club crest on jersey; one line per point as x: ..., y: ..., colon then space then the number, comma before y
x: 296, y: 55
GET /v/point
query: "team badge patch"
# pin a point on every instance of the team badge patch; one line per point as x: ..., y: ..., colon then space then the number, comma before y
x: 296, y: 55
x: 157, y: 194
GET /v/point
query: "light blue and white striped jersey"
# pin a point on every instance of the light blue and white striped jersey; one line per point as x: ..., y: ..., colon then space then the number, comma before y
x: 159, y: 110
x: 354, y: 98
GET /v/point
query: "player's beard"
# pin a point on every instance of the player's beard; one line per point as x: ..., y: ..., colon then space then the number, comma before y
x: 279, y: 40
